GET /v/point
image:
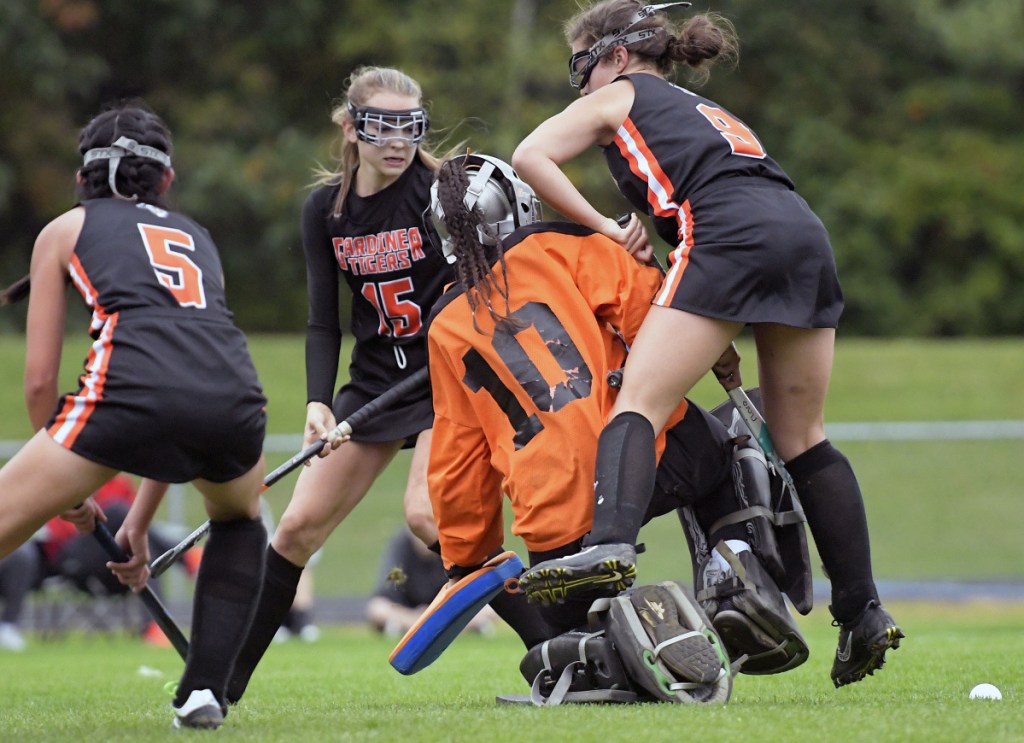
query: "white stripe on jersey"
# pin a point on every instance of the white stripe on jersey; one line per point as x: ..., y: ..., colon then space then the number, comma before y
x: 101, y: 350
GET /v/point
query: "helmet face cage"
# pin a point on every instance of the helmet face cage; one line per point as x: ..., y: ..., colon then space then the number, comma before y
x: 504, y: 199
x: 378, y: 126
x: 582, y: 63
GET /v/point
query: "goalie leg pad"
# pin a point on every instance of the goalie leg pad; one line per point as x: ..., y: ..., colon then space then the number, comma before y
x: 786, y: 514
x: 643, y: 654
x: 575, y: 667
x: 752, y: 618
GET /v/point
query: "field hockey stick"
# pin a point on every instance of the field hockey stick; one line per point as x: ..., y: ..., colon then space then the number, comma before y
x: 727, y: 371
x: 150, y: 599
x: 345, y: 428
x: 171, y: 556
x: 16, y: 291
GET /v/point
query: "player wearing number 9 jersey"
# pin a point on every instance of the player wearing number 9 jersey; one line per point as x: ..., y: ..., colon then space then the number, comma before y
x: 745, y: 250
x: 520, y: 351
x: 168, y: 392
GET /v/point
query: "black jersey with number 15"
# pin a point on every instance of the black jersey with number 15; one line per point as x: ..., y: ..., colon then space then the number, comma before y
x: 379, y: 245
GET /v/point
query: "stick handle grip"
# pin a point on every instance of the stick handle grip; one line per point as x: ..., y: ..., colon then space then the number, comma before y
x: 399, y: 392
x: 150, y: 599
x: 727, y: 369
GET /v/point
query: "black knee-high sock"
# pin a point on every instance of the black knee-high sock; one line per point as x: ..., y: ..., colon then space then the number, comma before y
x: 624, y: 479
x: 834, y: 507
x: 522, y: 616
x: 279, y: 583
x: 227, y: 588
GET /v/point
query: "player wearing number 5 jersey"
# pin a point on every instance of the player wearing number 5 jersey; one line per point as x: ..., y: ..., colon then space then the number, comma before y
x: 168, y: 392
x: 745, y: 250
x: 161, y: 329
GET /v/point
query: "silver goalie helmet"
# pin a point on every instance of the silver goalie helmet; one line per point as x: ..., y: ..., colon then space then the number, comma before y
x: 504, y: 199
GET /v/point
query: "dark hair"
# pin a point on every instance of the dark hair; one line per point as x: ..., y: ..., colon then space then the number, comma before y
x: 695, y: 42
x: 474, y: 265
x: 137, y: 177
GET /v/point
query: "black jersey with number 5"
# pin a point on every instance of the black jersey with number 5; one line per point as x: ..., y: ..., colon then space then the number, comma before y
x: 169, y: 390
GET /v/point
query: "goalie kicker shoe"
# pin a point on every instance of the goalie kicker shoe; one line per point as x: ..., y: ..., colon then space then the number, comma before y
x: 862, y: 644
x: 688, y: 654
x: 201, y: 710
x: 749, y: 613
x: 600, y: 570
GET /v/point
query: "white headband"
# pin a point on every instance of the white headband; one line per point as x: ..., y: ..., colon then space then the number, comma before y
x: 123, y: 147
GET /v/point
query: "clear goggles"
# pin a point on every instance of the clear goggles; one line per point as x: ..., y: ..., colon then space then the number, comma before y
x: 379, y: 126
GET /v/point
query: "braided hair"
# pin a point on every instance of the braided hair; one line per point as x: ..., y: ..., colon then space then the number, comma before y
x: 136, y: 177
x: 474, y: 267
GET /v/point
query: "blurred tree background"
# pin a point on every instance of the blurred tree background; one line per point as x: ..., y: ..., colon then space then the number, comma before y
x: 899, y: 120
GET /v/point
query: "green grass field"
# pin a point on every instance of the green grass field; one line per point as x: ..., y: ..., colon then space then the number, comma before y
x: 342, y: 689
x: 937, y: 510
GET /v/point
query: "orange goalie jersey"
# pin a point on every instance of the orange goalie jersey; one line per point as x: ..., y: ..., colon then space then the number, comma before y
x: 518, y: 411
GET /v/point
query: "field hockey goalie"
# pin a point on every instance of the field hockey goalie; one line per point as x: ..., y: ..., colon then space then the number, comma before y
x: 625, y: 654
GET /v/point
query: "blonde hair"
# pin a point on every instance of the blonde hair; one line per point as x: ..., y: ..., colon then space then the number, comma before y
x: 363, y: 84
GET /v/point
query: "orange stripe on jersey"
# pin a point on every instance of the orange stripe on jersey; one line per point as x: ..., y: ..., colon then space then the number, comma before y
x: 678, y: 259
x: 643, y: 163
x: 88, y: 292
x: 77, y: 408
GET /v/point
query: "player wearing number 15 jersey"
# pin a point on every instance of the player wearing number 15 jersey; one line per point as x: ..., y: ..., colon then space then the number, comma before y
x: 365, y: 221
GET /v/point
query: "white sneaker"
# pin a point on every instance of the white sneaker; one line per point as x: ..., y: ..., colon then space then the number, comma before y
x: 200, y: 710
x: 10, y: 638
x: 309, y: 633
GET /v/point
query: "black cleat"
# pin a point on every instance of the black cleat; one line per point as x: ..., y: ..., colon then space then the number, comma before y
x: 862, y: 644
x: 601, y: 570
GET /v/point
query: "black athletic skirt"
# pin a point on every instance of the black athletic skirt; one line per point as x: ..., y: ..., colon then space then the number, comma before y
x: 754, y: 252
x: 403, y: 421
x: 165, y: 398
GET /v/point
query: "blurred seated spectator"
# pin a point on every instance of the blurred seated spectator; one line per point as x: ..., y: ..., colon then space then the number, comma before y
x: 59, y: 550
x: 18, y: 575
x: 409, y: 578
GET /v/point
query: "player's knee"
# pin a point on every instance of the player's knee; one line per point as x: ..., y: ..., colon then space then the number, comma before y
x: 297, y: 538
x: 422, y: 525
